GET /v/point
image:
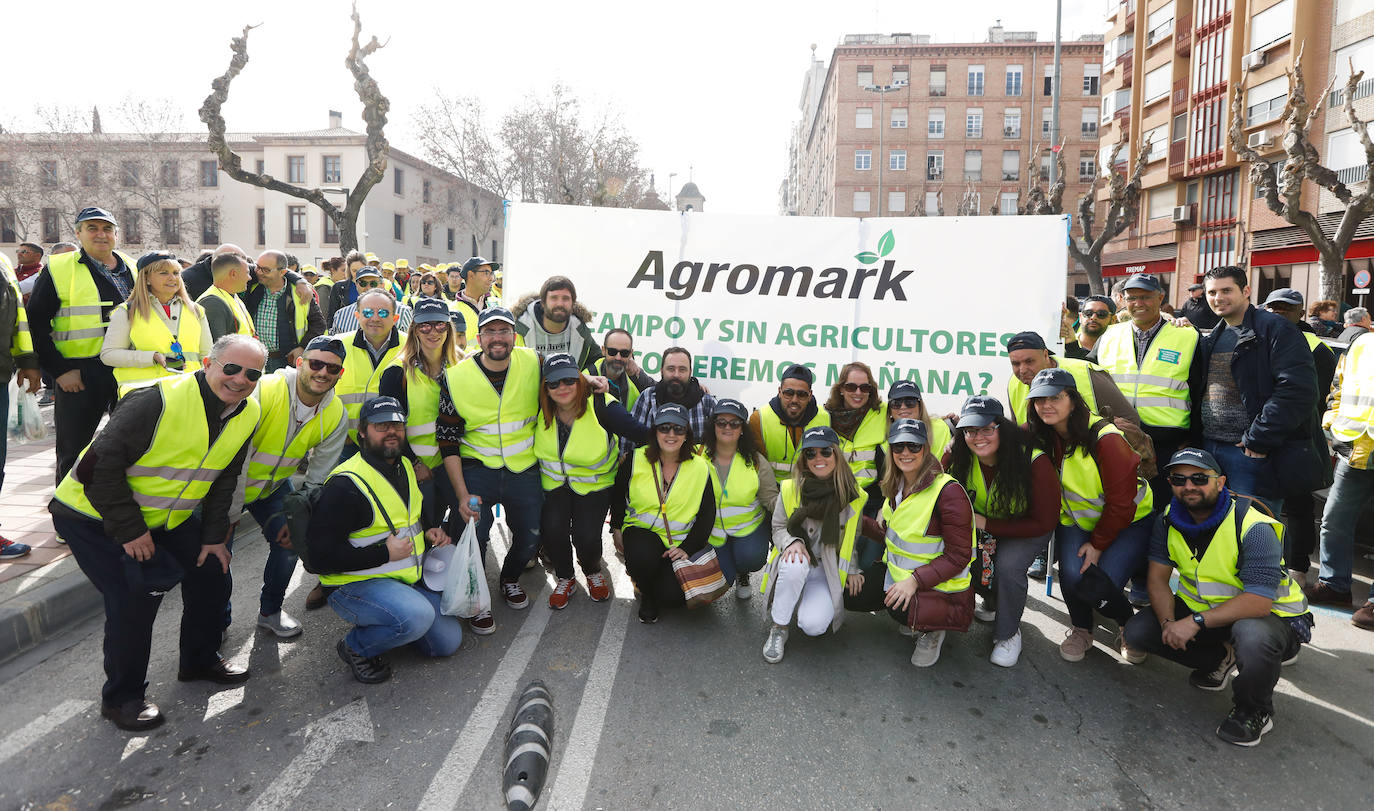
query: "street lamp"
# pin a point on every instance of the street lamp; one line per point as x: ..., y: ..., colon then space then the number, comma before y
x: 672, y: 201
x: 882, y: 91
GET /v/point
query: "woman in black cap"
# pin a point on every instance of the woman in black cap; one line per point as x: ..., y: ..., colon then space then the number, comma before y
x: 1015, y: 494
x: 159, y: 331
x: 667, y: 506
x: 747, y: 490
x: 816, y: 519
x: 924, y: 580
x: 905, y: 402
x: 576, y: 443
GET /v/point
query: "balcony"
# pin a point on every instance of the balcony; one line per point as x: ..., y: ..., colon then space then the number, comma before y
x: 1125, y: 58
x: 973, y: 176
x: 935, y: 174
x: 1362, y: 90
x: 1265, y: 112
x: 1180, y: 98
x: 1183, y: 36
x: 937, y: 91
x: 1089, y: 130
x: 1352, y: 175
x: 1159, y: 32
x: 1177, y: 164
x: 1010, y: 175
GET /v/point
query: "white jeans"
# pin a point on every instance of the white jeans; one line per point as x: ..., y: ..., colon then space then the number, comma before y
x: 802, y: 587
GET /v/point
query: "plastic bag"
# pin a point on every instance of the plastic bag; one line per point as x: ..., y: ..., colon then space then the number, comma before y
x: 25, y: 420
x: 465, y: 584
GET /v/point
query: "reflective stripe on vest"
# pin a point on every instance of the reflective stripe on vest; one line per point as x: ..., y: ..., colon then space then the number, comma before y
x: 151, y: 334
x: 499, y: 427
x: 908, y: 545
x: 78, y: 328
x: 361, y: 379
x: 1081, y: 371
x: 172, y: 477
x: 777, y: 440
x: 1159, y: 388
x: 422, y: 414
x: 862, y: 451
x: 1083, y: 498
x: 405, y: 516
x: 738, y: 511
x: 1208, y: 583
x: 272, y: 458
x: 586, y: 463
x: 1354, y: 417
x: 681, y: 501
x: 979, y: 491
x: 243, y: 322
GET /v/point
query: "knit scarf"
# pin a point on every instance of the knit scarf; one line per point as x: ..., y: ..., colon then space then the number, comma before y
x: 846, y: 421
x: 1199, y: 533
x: 819, y: 501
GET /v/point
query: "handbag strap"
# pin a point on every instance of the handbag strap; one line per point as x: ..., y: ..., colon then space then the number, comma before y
x: 662, y: 506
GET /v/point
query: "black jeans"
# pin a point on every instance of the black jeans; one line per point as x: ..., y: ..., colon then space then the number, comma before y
x: 76, y: 414
x: 870, y: 596
x: 651, y: 572
x: 129, y: 615
x: 1261, y: 644
x: 1300, y: 541
x: 571, y: 520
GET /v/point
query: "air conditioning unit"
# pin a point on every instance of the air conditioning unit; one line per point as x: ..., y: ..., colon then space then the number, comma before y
x: 1261, y: 139
x: 1252, y: 61
x: 1183, y: 215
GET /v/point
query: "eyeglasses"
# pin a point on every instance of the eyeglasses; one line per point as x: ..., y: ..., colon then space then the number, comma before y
x: 431, y: 326
x: 551, y: 385
x: 382, y: 312
x: 318, y: 365
x: 679, y: 430
x: 479, y: 270
x: 1103, y: 314
x: 618, y: 353
x: 905, y: 402
x: 1199, y: 479
x: 368, y: 284
x: 497, y: 333
x: 793, y: 394
x: 732, y: 425
x: 853, y: 387
x: 232, y: 369
x: 985, y: 431
x: 906, y: 447
x: 825, y: 453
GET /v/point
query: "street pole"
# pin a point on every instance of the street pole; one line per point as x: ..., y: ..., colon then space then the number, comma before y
x: 882, y: 96
x: 1054, y: 98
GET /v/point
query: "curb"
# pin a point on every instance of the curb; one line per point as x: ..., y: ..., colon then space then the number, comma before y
x: 29, y: 619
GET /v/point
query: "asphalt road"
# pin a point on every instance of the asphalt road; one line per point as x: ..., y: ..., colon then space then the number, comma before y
x: 682, y: 714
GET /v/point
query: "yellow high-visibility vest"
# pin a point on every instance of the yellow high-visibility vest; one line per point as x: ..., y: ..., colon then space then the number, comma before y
x: 499, y: 427
x: 1083, y: 498
x: 151, y: 334
x: 678, y: 512
x: 587, y: 463
x: 738, y: 511
x: 1080, y: 369
x: 405, y: 516
x: 1159, y: 388
x: 243, y: 322
x: 361, y: 379
x: 1355, y: 415
x: 861, y: 452
x: 778, y: 446
x: 78, y: 328
x: 271, y: 459
x: 1210, y: 582
x: 908, y: 544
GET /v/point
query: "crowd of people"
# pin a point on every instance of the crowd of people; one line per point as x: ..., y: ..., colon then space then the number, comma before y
x: 365, y: 413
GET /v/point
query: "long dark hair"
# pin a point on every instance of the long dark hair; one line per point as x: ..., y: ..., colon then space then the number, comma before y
x: 746, y: 442
x: 1080, y: 431
x: 689, y: 447
x: 1013, y: 490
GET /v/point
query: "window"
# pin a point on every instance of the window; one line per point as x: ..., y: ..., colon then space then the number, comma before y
x: 128, y: 173
x: 1159, y: 142
x: 863, y: 160
x: 295, y: 225
x: 90, y: 173
x: 171, y: 226
x: 899, y: 118
x: 333, y: 169
x: 398, y: 227
x: 973, y: 123
x: 935, y: 165
x: 1007, y: 204
x: 452, y: 235
x: 973, y: 165
x: 262, y: 226
x: 975, y: 80
x: 1092, y: 79
x: 331, y: 231
x: 1347, y: 10
x: 937, y: 81
x: 425, y: 234
x: 1264, y: 102
x: 209, y: 173
x: 169, y: 175
x: 1049, y: 80
x: 1160, y: 24
x: 47, y: 170
x: 1162, y: 201
x: 452, y: 201
x: 209, y: 226
x: 1011, y: 164
x: 1216, y: 221
x: 7, y: 177
x: 425, y: 192
x: 1087, y: 167
x: 1089, y: 123
x: 896, y: 202
x: 1120, y: 100
x: 1180, y: 127
x: 863, y: 118
x: 50, y: 225
x: 398, y: 181
x: 865, y: 76
x: 1045, y: 161
x: 932, y: 204
x: 935, y: 123
x: 1011, y: 122
x: 260, y: 166
x: 1343, y: 150
x: 131, y: 226
x: 896, y: 160
x: 1046, y: 122
x: 860, y: 201
x: 1014, y: 80
x: 7, y: 226
x: 295, y: 169
x: 900, y: 75
x: 1271, y: 25
x: 1361, y: 53
x: 1158, y: 83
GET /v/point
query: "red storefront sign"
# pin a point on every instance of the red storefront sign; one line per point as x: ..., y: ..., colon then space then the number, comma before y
x: 1299, y: 254
x: 1130, y: 268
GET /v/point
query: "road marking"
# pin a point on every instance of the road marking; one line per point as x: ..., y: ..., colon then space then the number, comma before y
x: 1326, y: 705
x: 16, y: 741
x: 352, y: 722
x: 575, y: 762
x: 225, y: 700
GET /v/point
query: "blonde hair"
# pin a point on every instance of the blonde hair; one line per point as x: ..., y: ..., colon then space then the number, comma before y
x: 141, y: 298
x: 892, y: 477
x: 413, y: 356
x: 846, y: 486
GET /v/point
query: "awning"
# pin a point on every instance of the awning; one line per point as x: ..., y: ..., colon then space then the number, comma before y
x: 1156, y: 259
x: 1299, y: 254
x: 1289, y: 245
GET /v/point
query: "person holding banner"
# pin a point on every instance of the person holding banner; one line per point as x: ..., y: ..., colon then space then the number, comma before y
x: 1105, y: 520
x: 1015, y: 493
x: 778, y: 428
x: 159, y: 331
x: 666, y: 505
x: 575, y: 443
x: 747, y: 492
x: 815, y: 522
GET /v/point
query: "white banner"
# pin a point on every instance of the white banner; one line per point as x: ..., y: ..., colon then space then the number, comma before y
x: 929, y: 299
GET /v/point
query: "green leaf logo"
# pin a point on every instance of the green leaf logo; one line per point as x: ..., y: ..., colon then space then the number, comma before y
x: 867, y: 257
x: 886, y: 244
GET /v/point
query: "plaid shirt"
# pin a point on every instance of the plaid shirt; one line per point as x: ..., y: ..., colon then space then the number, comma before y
x: 123, y: 282
x: 266, y: 318
x: 346, y: 319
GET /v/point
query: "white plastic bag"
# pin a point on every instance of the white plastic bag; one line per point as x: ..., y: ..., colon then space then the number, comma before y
x: 465, y: 585
x: 25, y: 420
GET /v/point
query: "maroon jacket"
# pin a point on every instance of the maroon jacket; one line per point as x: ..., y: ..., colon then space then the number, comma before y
x: 1119, y: 467
x: 935, y: 610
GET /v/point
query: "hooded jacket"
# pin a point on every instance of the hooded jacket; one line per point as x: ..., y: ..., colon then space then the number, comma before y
x: 529, y: 325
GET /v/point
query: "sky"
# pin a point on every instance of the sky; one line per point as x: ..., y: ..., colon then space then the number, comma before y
x: 710, y: 90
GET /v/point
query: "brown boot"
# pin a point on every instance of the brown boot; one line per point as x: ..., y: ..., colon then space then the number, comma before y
x: 1322, y: 594
x: 1364, y: 616
x: 316, y: 598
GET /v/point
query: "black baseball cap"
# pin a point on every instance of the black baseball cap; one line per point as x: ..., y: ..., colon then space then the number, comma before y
x: 903, y: 389
x: 382, y: 409
x: 980, y: 411
x: 459, y: 321
x: 732, y: 407
x: 1142, y: 281
x: 822, y: 436
x: 1284, y: 295
x: 367, y: 271
x: 1049, y: 382
x: 429, y: 310
x: 327, y: 343
x: 907, y: 431
x: 670, y: 414
x: 1107, y: 300
x: 476, y: 262
x: 1196, y: 286
x: 800, y: 372
x: 560, y: 366
x: 491, y: 314
x: 1026, y: 340
x: 95, y: 213
x: 153, y: 256
x: 1195, y: 457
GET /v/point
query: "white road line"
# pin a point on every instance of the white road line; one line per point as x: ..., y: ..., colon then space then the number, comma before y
x: 575, y: 762
x: 225, y: 700
x: 30, y: 733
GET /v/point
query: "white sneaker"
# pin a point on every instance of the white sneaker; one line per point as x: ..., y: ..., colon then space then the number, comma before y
x: 927, y: 650
x: 1007, y: 652
x: 743, y: 590
x: 773, y: 648
x: 982, y: 613
x: 281, y: 623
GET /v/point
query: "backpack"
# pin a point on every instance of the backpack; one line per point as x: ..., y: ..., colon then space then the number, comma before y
x: 299, y: 505
x: 1139, y: 441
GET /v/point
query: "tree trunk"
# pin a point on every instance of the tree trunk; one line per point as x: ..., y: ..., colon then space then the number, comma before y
x: 1333, y: 277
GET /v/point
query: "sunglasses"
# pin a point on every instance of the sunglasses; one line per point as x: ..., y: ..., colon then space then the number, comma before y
x: 825, y: 453
x: 793, y: 394
x: 368, y: 284
x: 319, y: 365
x: 382, y: 312
x: 498, y: 333
x: 985, y: 431
x: 853, y: 387
x: 733, y: 425
x: 906, y: 447
x: 431, y: 326
x: 1103, y: 314
x: 905, y: 402
x: 551, y: 385
x: 232, y: 369
x: 618, y: 353
x: 680, y: 430
x: 1199, y: 479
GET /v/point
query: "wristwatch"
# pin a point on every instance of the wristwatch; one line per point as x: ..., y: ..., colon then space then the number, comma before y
x: 1197, y: 617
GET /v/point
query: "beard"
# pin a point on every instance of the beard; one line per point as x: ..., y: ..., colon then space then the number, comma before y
x: 389, y: 453
x: 557, y: 315
x: 675, y: 388
x: 613, y: 368
x: 1093, y: 327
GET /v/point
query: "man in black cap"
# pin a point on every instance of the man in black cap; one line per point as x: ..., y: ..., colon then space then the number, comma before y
x: 1029, y: 355
x: 1197, y: 312
x: 477, y: 274
x: 1236, y: 614
x: 1096, y: 314
x: 368, y: 539
x: 68, y: 313
x: 676, y: 386
x: 778, y: 427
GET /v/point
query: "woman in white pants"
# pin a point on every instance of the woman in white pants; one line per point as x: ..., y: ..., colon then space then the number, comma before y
x: 815, y: 522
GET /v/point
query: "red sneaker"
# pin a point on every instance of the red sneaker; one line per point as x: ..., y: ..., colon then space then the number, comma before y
x: 562, y: 592
x: 597, y: 588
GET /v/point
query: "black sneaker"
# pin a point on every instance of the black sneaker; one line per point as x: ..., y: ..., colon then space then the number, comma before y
x: 1245, y: 727
x: 368, y: 670
x: 1038, y: 568
x: 648, y: 610
x: 1214, y: 681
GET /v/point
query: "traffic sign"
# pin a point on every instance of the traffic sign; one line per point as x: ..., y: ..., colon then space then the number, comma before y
x: 1362, y: 278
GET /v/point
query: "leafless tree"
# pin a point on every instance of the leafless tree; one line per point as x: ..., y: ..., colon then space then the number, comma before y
x: 375, y: 108
x: 476, y: 210
x: 1281, y: 184
x: 971, y: 204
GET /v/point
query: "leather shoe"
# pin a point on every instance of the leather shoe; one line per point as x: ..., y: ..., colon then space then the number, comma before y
x: 221, y: 672
x: 316, y: 598
x: 368, y: 670
x: 135, y: 716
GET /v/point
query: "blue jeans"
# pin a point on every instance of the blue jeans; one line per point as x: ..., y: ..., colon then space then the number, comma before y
x: 5, y: 435
x: 521, y: 495
x: 1100, y: 586
x: 1350, y: 493
x: 387, y: 613
x: 270, y: 513
x: 1247, y: 475
x: 742, y: 554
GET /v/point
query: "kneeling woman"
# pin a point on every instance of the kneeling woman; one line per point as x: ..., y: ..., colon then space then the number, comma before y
x: 746, y: 492
x: 814, y: 524
x: 924, y: 578
x: 667, y: 510
x: 1105, y: 520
